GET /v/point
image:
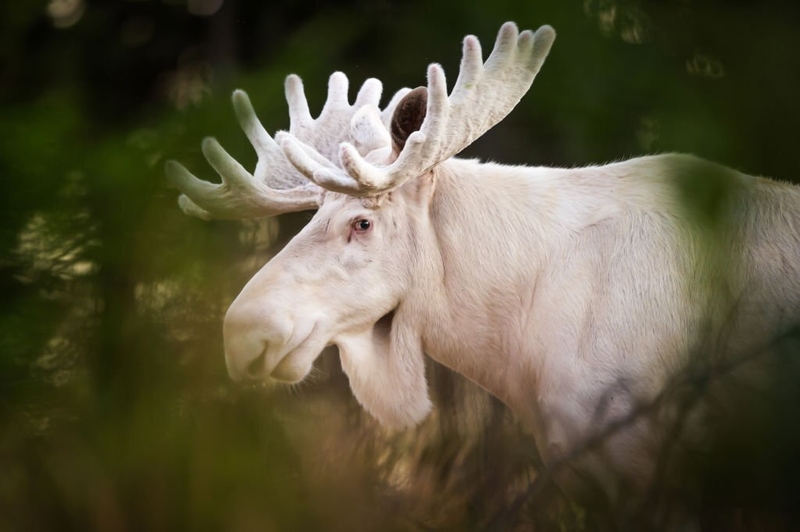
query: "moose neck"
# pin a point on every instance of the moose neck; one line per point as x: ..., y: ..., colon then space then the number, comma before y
x: 487, y: 249
x: 500, y: 232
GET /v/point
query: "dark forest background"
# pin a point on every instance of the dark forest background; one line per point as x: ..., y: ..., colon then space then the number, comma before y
x: 116, y: 412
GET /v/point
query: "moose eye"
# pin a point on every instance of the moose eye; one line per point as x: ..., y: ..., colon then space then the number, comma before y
x: 362, y: 225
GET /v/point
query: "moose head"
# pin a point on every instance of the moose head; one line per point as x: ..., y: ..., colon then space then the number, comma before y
x: 363, y: 270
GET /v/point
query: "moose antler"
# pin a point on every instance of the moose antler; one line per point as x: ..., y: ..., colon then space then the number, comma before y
x: 276, y: 186
x: 483, y: 95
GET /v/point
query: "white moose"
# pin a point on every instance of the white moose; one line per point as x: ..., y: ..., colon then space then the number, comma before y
x: 573, y: 295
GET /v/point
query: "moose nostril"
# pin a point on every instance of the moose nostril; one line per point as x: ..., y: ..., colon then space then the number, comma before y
x: 255, y: 368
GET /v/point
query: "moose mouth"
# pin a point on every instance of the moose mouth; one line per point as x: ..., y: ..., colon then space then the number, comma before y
x: 292, y: 367
x: 296, y: 363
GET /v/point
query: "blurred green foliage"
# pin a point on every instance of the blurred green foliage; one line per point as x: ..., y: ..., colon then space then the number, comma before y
x: 115, y: 408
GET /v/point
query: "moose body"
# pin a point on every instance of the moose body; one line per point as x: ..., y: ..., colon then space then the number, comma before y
x: 576, y: 296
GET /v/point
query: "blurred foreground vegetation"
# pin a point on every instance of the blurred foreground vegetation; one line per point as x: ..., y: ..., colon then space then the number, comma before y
x: 115, y: 408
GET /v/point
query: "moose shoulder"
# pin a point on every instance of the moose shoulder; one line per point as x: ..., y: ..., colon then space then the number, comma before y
x: 577, y: 296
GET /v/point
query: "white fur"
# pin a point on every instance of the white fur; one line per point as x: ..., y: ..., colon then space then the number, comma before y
x: 576, y: 296
x: 550, y: 288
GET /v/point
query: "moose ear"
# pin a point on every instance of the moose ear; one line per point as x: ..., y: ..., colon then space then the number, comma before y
x: 408, y: 116
x: 386, y: 368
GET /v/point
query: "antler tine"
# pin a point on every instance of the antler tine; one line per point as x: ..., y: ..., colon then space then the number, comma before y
x: 483, y: 95
x: 276, y: 188
x: 333, y: 126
